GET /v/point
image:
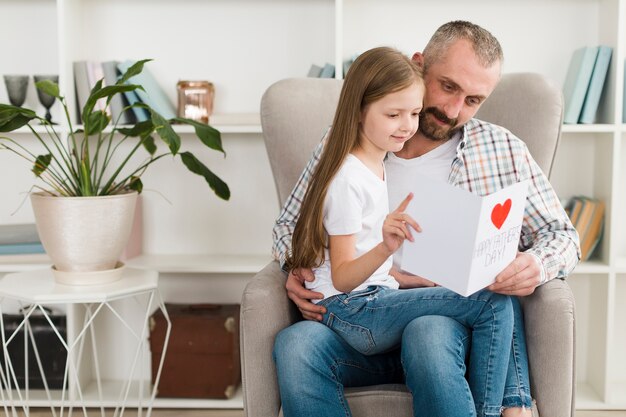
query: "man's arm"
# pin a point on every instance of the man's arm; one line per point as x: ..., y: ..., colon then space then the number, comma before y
x: 549, y: 245
x: 282, y: 232
x: 286, y: 221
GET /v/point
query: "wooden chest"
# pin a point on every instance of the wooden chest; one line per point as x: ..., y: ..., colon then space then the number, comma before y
x: 202, y: 358
x: 52, y: 353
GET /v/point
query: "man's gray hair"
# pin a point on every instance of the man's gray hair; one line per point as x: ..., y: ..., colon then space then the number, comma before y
x: 486, y: 46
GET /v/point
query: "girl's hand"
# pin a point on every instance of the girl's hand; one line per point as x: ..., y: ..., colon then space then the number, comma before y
x: 407, y: 280
x: 395, y: 228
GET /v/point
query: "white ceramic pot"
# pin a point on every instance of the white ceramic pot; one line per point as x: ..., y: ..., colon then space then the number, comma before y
x: 84, y: 234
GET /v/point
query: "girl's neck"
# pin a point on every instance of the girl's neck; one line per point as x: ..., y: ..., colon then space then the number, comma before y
x: 372, y: 159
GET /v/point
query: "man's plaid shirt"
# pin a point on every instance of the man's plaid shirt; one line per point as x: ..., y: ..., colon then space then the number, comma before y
x: 488, y: 159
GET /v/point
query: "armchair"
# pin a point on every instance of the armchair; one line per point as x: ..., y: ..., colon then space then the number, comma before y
x: 294, y: 115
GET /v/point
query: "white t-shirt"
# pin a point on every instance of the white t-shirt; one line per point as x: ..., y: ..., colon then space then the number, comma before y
x: 356, y: 203
x: 401, y: 173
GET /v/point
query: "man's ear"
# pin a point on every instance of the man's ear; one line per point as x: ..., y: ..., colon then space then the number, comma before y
x: 418, y: 58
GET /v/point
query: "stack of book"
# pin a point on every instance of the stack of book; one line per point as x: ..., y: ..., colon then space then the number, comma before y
x: 587, y: 216
x: 87, y: 73
x: 584, y: 83
x: 17, y: 239
x: 328, y: 70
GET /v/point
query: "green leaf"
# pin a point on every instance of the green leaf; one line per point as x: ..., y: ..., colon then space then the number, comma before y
x: 111, y: 90
x: 210, y: 136
x: 13, y: 117
x: 49, y: 87
x: 149, y: 145
x: 217, y: 185
x: 41, y: 164
x: 140, y: 129
x: 97, y: 122
x: 165, y: 131
x: 134, y: 69
x: 8, y: 111
x: 135, y: 184
x: 91, y: 101
x: 85, y: 179
x: 15, y: 123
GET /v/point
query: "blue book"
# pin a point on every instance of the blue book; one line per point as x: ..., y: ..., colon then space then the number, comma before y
x: 20, y: 248
x: 154, y: 96
x: 141, y: 114
x: 596, y: 84
x: 577, y: 82
x: 328, y: 71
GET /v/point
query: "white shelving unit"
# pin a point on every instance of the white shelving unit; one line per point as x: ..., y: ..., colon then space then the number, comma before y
x: 244, y: 46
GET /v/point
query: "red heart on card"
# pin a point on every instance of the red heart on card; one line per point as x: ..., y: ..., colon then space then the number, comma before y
x: 500, y: 212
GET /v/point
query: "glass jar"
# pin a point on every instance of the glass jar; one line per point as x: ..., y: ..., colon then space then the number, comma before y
x: 195, y: 100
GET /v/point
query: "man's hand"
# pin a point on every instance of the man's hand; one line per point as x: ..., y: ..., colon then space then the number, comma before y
x: 410, y: 281
x: 520, y: 277
x: 301, y: 296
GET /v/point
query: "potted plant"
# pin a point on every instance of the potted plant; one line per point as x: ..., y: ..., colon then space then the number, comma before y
x: 84, y: 211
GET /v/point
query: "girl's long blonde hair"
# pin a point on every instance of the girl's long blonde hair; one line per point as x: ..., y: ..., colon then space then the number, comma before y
x: 373, y: 75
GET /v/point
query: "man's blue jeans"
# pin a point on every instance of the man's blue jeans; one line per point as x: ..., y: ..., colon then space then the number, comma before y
x: 314, y: 364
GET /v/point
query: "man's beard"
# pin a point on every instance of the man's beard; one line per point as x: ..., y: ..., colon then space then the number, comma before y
x: 432, y: 130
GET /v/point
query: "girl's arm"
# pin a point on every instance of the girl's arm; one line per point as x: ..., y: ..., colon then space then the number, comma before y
x: 349, y: 272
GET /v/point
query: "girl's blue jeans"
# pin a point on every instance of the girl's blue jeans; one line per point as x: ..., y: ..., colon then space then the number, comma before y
x: 447, y: 371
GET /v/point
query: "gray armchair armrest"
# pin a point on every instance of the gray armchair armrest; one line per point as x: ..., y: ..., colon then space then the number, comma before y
x: 265, y: 311
x: 550, y: 337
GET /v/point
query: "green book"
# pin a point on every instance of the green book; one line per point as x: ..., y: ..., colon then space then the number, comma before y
x: 577, y: 82
x: 596, y: 85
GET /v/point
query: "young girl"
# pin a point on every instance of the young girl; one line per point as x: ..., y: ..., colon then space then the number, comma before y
x: 346, y: 233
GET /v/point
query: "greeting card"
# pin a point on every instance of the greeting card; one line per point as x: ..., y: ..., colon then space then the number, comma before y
x: 466, y: 240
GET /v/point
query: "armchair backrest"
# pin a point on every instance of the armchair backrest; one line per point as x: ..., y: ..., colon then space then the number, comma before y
x: 296, y: 112
x: 529, y: 106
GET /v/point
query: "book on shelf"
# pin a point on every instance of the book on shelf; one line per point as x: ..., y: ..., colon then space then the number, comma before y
x: 95, y: 74
x: 328, y: 71
x: 314, y: 71
x: 596, y: 85
x: 573, y: 210
x: 18, y: 233
x: 593, y: 232
x: 139, y: 113
x: 587, y: 216
x: 81, y: 85
x: 118, y: 102
x: 86, y: 75
x: 21, y: 248
x: 154, y: 96
x: 16, y: 239
x: 577, y: 82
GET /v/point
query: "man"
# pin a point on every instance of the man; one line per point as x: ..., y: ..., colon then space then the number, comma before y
x: 461, y: 64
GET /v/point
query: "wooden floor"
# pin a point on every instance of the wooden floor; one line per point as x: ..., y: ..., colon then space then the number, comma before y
x: 239, y: 413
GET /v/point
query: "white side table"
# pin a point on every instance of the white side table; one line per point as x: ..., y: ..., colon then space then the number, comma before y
x: 35, y: 289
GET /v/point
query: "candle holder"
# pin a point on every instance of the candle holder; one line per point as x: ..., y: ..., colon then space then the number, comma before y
x: 195, y: 100
x: 45, y: 99
x: 17, y: 86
